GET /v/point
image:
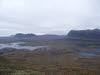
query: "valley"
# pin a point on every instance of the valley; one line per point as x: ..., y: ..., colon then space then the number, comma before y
x: 56, y: 56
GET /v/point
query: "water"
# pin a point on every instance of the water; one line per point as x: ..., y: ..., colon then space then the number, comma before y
x: 17, y: 45
x: 87, y: 54
x: 96, y: 49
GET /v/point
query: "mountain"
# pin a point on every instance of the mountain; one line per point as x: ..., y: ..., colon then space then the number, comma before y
x: 51, y: 36
x: 84, y: 34
x: 24, y: 35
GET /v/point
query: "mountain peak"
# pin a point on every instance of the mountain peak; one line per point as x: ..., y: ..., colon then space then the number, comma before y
x: 24, y: 35
x: 92, y: 34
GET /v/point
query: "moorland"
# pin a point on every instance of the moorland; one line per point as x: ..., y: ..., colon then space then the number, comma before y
x: 77, y: 53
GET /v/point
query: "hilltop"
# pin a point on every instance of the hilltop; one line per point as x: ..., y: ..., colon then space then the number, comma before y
x: 24, y: 35
x: 84, y: 34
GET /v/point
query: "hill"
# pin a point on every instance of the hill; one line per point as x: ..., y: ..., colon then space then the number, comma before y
x: 24, y: 35
x: 84, y: 34
x: 84, y: 38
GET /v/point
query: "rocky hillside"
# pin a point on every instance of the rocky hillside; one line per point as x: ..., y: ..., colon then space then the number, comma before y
x: 84, y: 34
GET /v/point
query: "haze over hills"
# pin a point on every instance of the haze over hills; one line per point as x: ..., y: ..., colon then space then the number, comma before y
x: 73, y: 34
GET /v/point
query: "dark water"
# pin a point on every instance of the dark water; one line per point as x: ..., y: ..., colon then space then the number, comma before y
x: 18, y: 46
x: 96, y: 49
x: 87, y: 54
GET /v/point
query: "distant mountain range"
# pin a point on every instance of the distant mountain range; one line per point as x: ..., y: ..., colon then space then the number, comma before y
x: 24, y: 35
x: 73, y: 34
x: 37, y: 37
x: 84, y: 34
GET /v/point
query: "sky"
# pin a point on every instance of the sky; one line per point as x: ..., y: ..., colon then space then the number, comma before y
x: 48, y: 16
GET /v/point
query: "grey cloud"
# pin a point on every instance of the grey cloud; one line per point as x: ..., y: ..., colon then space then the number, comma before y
x: 48, y: 16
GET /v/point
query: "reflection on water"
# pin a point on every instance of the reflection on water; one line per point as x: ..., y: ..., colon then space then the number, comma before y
x: 18, y: 46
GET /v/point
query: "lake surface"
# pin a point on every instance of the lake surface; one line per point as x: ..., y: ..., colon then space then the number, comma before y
x: 17, y: 45
x: 96, y: 49
x: 87, y: 54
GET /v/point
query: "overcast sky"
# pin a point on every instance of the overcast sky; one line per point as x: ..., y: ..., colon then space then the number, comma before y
x: 48, y: 16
